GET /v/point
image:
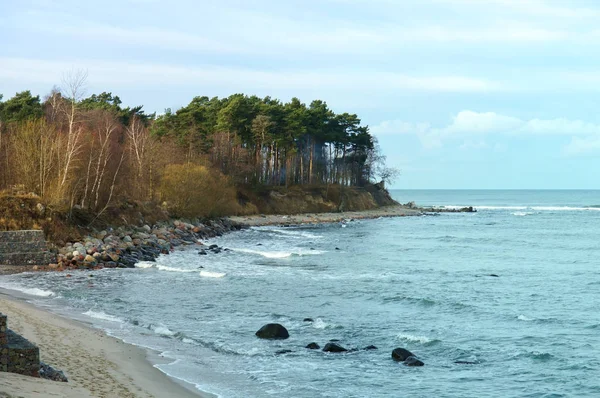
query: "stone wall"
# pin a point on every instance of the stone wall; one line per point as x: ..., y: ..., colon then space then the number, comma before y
x: 24, y: 248
x: 17, y: 354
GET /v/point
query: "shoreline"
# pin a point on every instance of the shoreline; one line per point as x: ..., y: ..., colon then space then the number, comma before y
x: 96, y: 365
x: 324, y: 218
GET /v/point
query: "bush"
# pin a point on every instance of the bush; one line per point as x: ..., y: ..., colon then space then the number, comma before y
x: 197, y: 191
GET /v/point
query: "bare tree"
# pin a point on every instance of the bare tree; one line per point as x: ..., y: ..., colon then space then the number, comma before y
x: 138, y: 137
x: 73, y: 90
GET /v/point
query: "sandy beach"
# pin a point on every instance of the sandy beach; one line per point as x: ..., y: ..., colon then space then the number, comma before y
x: 96, y: 365
x: 315, y: 218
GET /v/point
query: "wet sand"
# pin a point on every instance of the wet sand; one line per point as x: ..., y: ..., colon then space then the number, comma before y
x: 95, y: 364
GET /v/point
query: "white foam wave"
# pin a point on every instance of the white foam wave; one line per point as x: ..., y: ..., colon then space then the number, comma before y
x: 280, y: 254
x: 413, y: 339
x: 564, y: 208
x: 299, y: 234
x: 32, y: 291
x: 103, y: 316
x: 522, y: 213
x: 163, y: 330
x: 173, y: 269
x: 144, y: 264
x: 521, y: 208
x: 264, y: 253
x: 320, y: 324
x: 524, y: 318
x: 209, y: 274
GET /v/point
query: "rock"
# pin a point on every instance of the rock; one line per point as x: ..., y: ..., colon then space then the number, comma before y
x: 75, y: 254
x: 494, y: 275
x: 272, y: 331
x: 89, y: 259
x: 48, y: 372
x: 313, y: 346
x: 282, y: 352
x: 412, y: 361
x: 202, y: 252
x: 401, y: 354
x: 213, y: 247
x: 308, y: 320
x: 370, y: 347
x: 333, y: 347
x: 127, y: 238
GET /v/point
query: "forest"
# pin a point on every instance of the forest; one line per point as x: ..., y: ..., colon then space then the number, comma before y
x: 82, y: 151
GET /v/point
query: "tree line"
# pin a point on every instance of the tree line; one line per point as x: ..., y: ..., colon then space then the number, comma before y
x: 87, y: 151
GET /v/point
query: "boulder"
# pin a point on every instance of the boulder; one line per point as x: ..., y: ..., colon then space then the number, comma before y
x: 313, y: 346
x: 401, y: 354
x: 308, y: 320
x: 412, y: 361
x: 90, y: 259
x: 272, y: 331
x: 333, y: 347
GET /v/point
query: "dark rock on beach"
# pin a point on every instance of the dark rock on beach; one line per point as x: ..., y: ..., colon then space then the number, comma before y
x: 333, y: 347
x: 48, y: 372
x: 401, y: 354
x: 273, y: 331
x: 313, y: 346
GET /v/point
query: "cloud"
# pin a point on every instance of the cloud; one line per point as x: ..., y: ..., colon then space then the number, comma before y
x: 467, y: 125
x: 128, y: 74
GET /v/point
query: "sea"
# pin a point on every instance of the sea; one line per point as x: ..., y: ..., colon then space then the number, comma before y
x: 513, y: 290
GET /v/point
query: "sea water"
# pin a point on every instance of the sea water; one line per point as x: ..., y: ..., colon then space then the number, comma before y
x: 513, y: 289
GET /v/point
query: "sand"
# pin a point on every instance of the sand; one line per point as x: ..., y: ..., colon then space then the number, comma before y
x: 95, y: 364
x: 315, y: 218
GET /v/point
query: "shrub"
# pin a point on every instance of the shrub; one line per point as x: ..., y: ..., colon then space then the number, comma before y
x: 197, y: 191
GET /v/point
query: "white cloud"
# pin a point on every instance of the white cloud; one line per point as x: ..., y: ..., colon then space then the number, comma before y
x: 126, y: 74
x: 467, y: 125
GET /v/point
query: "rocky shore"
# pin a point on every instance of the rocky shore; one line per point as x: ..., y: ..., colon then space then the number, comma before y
x: 123, y: 247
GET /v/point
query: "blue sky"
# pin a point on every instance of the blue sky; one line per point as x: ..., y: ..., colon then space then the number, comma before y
x: 460, y: 93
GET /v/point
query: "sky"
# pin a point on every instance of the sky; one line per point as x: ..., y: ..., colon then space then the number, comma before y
x: 461, y: 94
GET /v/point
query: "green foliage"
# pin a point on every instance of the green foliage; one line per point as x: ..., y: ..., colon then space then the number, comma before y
x: 108, y: 102
x: 23, y: 106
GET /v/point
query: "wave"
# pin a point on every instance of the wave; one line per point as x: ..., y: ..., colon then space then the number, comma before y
x: 535, y: 208
x: 209, y: 274
x: 279, y: 254
x: 32, y: 291
x: 103, y: 316
x: 320, y: 324
x: 162, y: 330
x: 144, y: 264
x: 296, y: 233
x: 522, y: 213
x: 415, y: 339
x: 174, y: 269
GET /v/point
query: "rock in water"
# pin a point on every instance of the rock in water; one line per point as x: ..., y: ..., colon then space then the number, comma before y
x: 333, y: 347
x: 412, y: 361
x: 308, y: 320
x: 401, y: 354
x: 273, y: 331
x: 370, y: 347
x: 313, y: 346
